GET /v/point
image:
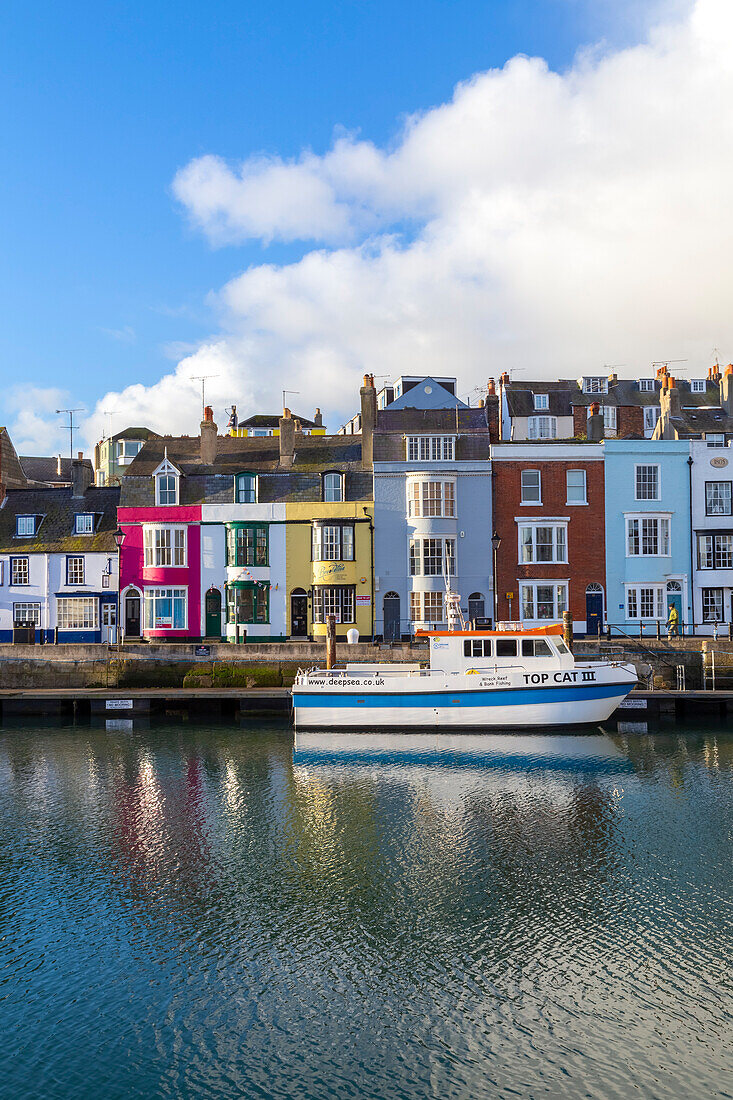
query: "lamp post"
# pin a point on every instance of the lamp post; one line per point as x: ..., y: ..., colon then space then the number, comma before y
x: 495, y: 544
x: 119, y: 537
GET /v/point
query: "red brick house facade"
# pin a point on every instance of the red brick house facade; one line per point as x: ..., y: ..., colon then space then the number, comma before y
x: 550, y: 516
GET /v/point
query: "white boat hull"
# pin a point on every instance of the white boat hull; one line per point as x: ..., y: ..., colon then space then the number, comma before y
x: 330, y: 703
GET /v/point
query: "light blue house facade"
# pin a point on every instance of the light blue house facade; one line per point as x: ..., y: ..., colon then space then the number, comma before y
x: 432, y: 515
x: 648, y: 534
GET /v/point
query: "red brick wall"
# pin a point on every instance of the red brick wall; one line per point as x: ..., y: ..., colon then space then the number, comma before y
x: 629, y: 421
x: 580, y: 421
x: 586, y: 540
x: 492, y: 417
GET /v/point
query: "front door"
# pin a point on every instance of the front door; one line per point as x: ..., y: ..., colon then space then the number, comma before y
x: 593, y: 613
x: 109, y: 623
x: 299, y: 615
x: 674, y: 599
x: 392, y: 617
x: 132, y: 615
x: 213, y: 613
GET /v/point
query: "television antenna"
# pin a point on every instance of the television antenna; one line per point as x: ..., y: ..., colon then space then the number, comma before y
x: 285, y: 392
x: 72, y: 425
x: 110, y: 413
x: 203, y: 379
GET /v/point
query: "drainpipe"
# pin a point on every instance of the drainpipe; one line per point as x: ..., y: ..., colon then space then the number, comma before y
x: 692, y: 550
x: 371, y: 541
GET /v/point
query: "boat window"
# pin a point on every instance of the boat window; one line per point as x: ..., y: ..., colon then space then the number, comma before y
x: 506, y: 647
x: 478, y: 647
x: 466, y: 649
x: 535, y: 647
x: 560, y: 646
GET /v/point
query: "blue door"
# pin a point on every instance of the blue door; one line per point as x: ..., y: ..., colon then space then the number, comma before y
x: 594, y: 611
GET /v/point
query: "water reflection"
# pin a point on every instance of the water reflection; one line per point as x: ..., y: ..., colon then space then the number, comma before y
x: 211, y: 912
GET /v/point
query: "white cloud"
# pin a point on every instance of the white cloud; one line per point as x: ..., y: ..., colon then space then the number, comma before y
x: 35, y: 426
x: 554, y: 222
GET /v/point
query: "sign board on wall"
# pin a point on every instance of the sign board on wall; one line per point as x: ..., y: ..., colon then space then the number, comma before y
x: 118, y: 704
x: 363, y: 600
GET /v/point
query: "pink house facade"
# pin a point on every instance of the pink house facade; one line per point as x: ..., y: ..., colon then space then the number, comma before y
x: 160, y: 571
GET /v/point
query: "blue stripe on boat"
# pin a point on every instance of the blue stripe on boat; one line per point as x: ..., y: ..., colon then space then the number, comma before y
x: 512, y: 697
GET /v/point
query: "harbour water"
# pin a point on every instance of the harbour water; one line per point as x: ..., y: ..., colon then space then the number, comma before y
x: 219, y: 912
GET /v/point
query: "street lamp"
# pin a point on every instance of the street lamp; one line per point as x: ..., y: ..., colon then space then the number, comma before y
x: 119, y: 537
x: 495, y: 544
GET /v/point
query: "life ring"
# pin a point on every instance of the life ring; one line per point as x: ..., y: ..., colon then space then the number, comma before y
x: 472, y: 672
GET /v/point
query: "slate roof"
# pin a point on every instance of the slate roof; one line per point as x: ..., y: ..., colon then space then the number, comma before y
x: 262, y: 420
x: 11, y: 471
x: 203, y: 484
x: 135, y: 433
x: 520, y: 400
x: 58, y: 507
x: 698, y: 421
x: 472, y: 434
x: 44, y: 471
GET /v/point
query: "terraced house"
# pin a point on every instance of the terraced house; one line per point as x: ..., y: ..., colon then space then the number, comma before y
x: 58, y: 561
x: 246, y: 538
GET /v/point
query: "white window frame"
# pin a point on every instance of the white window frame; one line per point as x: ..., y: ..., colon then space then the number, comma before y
x: 87, y: 528
x: 541, y: 401
x: 663, y: 534
x: 659, y: 598
x: 418, y: 556
x: 417, y: 607
x: 524, y: 500
x: 595, y: 384
x: 715, y: 439
x: 430, y: 448
x: 20, y: 558
x: 698, y: 385
x: 153, y: 593
x: 709, y: 553
x: 77, y: 613
x: 423, y: 498
x: 584, y: 474
x: 559, y: 605
x: 254, y: 487
x: 167, y: 469
x: 730, y: 498
x: 535, y: 525
x: 705, y: 605
x: 647, y: 466
x: 155, y: 538
x: 536, y: 424
x: 19, y: 523
x: 75, y: 570
x: 334, y: 494
x: 647, y: 385
x: 651, y: 417
x: 21, y: 608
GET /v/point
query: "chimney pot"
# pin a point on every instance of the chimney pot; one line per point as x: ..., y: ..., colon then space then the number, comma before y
x: 491, y: 386
x: 209, y: 413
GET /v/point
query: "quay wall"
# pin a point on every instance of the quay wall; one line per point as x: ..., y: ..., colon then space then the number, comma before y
x: 178, y: 665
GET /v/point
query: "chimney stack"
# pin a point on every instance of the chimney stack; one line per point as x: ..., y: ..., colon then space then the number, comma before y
x: 595, y: 430
x: 726, y: 390
x: 81, y: 476
x: 318, y: 419
x: 669, y: 404
x: 368, y: 420
x: 287, y: 438
x: 209, y: 437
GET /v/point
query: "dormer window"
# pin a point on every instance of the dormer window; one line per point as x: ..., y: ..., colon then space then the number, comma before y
x: 166, y: 482
x: 333, y: 488
x: 697, y: 385
x: 647, y: 385
x: 595, y: 385
x: 541, y: 401
x: 84, y: 524
x: 246, y: 489
x: 25, y: 526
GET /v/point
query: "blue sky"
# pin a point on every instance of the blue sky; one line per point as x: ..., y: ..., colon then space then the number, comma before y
x: 104, y: 279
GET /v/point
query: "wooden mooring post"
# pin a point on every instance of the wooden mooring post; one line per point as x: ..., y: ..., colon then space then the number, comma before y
x: 330, y: 641
x: 567, y: 630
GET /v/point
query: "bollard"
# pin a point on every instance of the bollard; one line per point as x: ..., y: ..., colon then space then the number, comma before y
x: 659, y: 630
x: 330, y: 641
x: 567, y: 630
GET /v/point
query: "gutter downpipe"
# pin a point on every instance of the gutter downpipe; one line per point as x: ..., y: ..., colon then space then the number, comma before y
x: 692, y: 550
x: 371, y: 541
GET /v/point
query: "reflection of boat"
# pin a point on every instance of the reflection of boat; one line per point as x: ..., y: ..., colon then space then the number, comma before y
x: 477, y: 679
x: 593, y: 754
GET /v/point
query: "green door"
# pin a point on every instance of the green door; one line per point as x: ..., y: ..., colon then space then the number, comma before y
x: 213, y: 613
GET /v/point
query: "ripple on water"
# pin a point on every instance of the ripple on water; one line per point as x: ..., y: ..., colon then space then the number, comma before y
x: 204, y: 912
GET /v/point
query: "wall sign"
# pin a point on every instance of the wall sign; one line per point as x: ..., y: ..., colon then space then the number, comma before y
x: 118, y: 704
x: 361, y: 600
x: 719, y: 463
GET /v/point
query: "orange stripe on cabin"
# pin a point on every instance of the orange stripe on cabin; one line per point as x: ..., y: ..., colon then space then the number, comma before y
x: 553, y: 628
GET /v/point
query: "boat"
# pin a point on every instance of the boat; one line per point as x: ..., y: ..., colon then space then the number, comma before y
x: 510, y: 678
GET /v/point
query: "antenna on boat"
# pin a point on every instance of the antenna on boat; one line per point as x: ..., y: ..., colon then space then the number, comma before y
x: 453, y: 612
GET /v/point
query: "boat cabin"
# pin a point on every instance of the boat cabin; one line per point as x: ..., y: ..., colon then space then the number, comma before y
x: 465, y: 651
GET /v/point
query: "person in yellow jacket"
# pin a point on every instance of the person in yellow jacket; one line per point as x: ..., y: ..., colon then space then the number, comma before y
x: 673, y: 623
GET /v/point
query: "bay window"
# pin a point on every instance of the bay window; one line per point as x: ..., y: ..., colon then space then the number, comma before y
x: 647, y: 536
x: 715, y: 551
x: 77, y: 613
x: 164, y: 546
x: 426, y: 607
x: 335, y: 599
x: 166, y: 608
x: 432, y: 557
x: 248, y: 602
x: 431, y: 498
x: 332, y: 542
x: 247, y: 545
x: 542, y: 542
x: 543, y: 600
